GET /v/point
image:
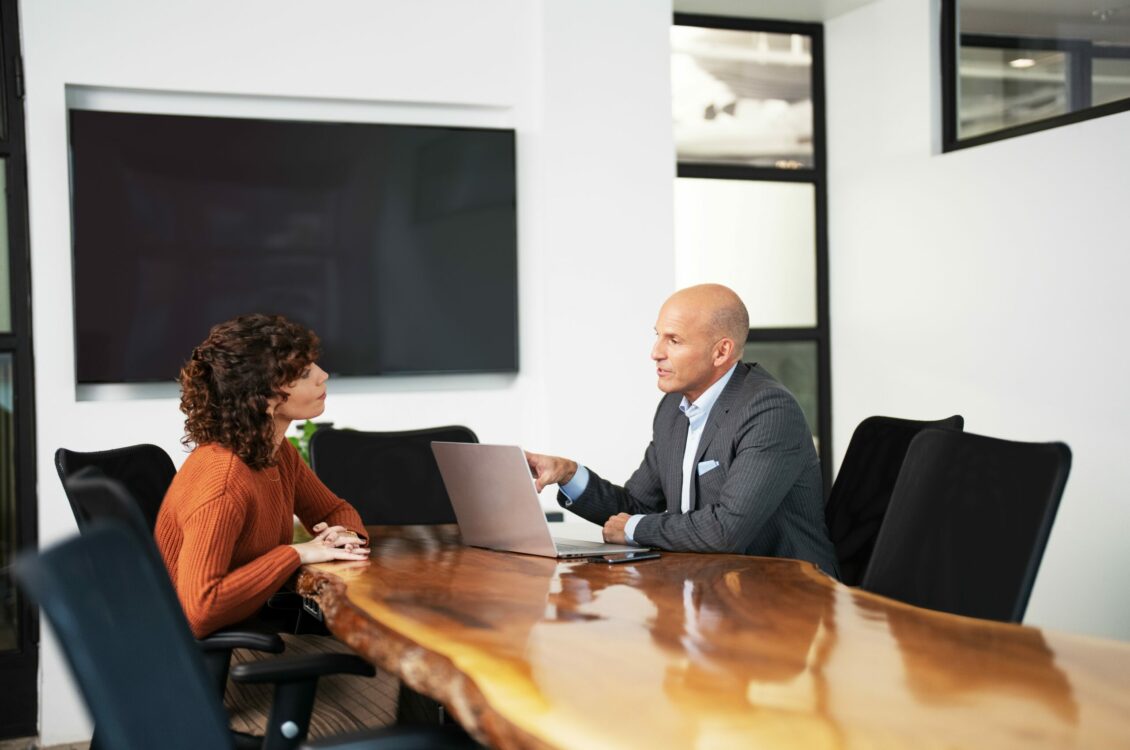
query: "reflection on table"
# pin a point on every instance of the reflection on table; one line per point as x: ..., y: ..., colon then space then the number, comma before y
x: 706, y: 651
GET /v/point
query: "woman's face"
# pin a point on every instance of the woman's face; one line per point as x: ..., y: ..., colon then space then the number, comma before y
x: 306, y: 397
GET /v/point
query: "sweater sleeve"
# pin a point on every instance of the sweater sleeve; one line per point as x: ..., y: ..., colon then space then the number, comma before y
x: 313, y: 500
x: 212, y: 595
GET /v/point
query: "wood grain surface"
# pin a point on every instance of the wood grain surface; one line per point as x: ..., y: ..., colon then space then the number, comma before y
x: 706, y: 651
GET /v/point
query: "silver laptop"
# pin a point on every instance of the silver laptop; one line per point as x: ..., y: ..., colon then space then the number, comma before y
x: 497, y: 505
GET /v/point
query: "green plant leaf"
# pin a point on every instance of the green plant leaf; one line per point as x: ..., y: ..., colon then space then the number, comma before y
x: 301, y: 442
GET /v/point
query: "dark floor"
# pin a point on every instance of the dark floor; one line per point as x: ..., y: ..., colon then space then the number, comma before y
x: 32, y: 743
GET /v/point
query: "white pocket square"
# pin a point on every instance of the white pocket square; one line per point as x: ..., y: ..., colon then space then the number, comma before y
x: 705, y: 466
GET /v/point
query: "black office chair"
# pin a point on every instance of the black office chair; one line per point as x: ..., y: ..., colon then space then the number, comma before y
x: 145, y: 472
x: 389, y: 477
x: 859, y: 497
x: 967, y: 524
x: 128, y: 644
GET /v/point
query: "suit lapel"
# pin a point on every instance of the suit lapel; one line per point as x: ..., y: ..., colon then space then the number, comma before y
x: 718, y: 413
x: 674, y: 473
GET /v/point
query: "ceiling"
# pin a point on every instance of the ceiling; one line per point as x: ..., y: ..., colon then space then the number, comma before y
x: 1097, y: 20
x: 1100, y: 20
x: 1058, y: 7
x: 784, y: 10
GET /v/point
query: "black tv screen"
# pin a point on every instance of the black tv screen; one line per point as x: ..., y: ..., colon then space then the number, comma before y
x: 396, y: 244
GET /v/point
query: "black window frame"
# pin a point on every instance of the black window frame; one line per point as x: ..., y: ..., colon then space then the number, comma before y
x: 1082, y: 53
x: 19, y: 668
x: 816, y: 175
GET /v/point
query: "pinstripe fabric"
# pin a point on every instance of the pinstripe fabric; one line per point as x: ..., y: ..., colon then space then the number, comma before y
x: 764, y: 498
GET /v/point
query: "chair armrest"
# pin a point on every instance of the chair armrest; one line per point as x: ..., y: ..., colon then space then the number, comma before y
x: 244, y: 741
x: 299, y: 668
x: 398, y: 738
x: 285, y: 600
x: 228, y: 639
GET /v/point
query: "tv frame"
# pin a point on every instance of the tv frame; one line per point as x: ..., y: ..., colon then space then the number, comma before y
x: 160, y: 385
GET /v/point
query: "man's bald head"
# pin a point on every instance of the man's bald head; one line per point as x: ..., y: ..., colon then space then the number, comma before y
x: 700, y: 334
x: 721, y: 312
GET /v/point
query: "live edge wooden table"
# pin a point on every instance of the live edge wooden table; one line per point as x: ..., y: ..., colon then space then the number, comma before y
x: 706, y: 651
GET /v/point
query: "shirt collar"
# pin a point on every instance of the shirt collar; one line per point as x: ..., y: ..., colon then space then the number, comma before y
x: 706, y: 401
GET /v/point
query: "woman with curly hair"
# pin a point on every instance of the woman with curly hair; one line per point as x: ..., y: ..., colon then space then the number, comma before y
x: 226, y: 525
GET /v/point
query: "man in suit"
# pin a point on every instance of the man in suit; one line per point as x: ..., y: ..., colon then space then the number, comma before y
x: 731, y: 466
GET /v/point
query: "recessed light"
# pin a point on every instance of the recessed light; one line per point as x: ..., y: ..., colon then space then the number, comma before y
x: 1022, y: 62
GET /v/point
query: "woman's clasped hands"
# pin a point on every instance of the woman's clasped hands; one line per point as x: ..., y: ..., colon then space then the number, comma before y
x: 332, y: 543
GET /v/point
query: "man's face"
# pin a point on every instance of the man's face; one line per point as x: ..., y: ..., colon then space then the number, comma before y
x: 685, y: 351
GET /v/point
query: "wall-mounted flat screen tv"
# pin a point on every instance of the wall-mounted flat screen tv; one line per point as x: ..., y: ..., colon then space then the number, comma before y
x: 396, y: 244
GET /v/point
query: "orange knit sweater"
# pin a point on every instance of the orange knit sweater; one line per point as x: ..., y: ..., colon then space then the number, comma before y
x: 225, y: 531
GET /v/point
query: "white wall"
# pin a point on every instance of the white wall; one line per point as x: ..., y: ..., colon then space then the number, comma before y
x: 583, y: 81
x: 989, y: 282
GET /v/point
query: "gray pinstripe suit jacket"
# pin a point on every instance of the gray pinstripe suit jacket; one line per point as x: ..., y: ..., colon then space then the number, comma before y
x: 764, y: 498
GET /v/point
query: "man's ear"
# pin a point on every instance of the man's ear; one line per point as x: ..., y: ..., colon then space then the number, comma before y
x: 723, y: 351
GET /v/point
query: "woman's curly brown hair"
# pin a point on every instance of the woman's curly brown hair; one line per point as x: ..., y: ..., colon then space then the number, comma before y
x: 228, y: 383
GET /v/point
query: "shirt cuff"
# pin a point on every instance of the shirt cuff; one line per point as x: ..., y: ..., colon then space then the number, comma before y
x: 630, y: 528
x: 576, y: 486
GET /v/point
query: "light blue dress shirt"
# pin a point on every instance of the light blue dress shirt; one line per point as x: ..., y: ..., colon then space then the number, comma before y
x: 697, y: 414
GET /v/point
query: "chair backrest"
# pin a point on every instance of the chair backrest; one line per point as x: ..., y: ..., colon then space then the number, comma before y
x: 967, y: 525
x: 145, y: 470
x: 124, y: 634
x: 859, y: 497
x: 390, y: 477
x: 95, y: 497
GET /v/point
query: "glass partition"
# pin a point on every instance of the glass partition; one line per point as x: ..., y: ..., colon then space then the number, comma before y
x: 19, y: 632
x: 750, y: 195
x: 1012, y: 67
x: 5, y: 275
x: 742, y: 97
x: 1001, y: 88
x: 9, y: 609
x: 758, y: 238
x: 795, y: 364
x: 1111, y: 77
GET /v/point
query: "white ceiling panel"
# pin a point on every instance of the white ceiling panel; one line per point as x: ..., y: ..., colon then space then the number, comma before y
x: 782, y: 10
